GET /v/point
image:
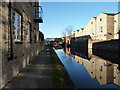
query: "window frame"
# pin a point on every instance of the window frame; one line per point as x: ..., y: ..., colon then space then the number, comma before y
x: 29, y: 32
x: 100, y: 67
x: 101, y: 29
x: 16, y: 27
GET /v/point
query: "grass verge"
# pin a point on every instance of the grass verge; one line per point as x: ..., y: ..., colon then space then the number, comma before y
x: 61, y: 78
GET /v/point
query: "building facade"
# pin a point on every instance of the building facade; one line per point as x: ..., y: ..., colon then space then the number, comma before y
x: 79, y: 33
x: 20, y: 38
x: 90, y: 28
x: 68, y: 40
x: 105, y: 26
x: 117, y: 26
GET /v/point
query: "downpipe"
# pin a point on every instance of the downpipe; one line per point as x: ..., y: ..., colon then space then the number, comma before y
x: 10, y: 33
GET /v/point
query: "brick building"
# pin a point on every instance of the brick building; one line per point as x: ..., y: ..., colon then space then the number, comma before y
x: 20, y: 38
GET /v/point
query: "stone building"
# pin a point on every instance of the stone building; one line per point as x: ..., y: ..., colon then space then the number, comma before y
x: 68, y: 40
x: 116, y: 74
x: 105, y: 26
x: 117, y: 26
x: 20, y: 38
x: 90, y: 28
x: 79, y: 33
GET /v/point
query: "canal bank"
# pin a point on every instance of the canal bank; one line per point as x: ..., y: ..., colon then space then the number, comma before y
x: 109, y: 45
x: 61, y: 78
x: 86, y: 43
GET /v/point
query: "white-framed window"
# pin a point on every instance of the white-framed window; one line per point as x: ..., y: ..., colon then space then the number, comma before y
x: 28, y: 32
x: 37, y: 36
x: 100, y: 67
x: 17, y: 26
x: 92, y: 31
x: 101, y: 29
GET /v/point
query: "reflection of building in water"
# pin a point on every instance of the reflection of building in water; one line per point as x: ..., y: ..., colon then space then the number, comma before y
x: 89, y: 65
x: 67, y: 51
x: 104, y: 71
x: 77, y: 58
x: 116, y: 74
x: 91, y: 69
x: 98, y: 68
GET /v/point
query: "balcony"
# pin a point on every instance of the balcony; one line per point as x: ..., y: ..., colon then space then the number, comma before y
x: 38, y: 14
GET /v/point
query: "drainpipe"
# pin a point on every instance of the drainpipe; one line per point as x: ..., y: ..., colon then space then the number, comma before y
x: 11, y: 40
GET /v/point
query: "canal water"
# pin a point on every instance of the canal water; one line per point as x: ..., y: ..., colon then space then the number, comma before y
x: 91, y: 69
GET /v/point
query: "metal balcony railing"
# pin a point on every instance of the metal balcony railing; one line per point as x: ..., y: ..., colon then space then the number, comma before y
x: 38, y: 14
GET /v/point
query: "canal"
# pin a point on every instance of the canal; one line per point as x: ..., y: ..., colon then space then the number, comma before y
x: 91, y: 69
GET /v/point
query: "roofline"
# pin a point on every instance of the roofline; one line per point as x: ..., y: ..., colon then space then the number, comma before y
x: 110, y: 13
x: 82, y: 28
x: 118, y: 12
x: 94, y: 17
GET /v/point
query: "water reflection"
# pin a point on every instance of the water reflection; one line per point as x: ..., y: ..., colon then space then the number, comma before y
x: 68, y: 59
x: 105, y: 70
x: 102, y: 66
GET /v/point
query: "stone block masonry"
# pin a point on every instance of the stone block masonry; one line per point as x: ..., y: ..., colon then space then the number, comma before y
x: 30, y: 39
x: 111, y: 45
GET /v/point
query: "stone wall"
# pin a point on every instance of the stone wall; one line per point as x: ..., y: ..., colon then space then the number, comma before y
x: 24, y: 50
x: 111, y: 45
x: 110, y: 27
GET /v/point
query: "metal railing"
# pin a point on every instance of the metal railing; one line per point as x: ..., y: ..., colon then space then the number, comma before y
x: 38, y: 12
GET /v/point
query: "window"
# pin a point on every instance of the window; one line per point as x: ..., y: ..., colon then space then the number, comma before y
x: 92, y: 31
x: 91, y: 22
x: 100, y: 19
x: 100, y: 67
x: 37, y: 36
x: 92, y: 64
x: 28, y: 33
x: 101, y: 29
x: 17, y: 26
x: 34, y: 38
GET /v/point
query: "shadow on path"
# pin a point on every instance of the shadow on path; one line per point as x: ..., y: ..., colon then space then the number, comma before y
x: 38, y: 74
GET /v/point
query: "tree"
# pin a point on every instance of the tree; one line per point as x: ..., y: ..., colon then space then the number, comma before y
x: 64, y: 34
x: 69, y: 30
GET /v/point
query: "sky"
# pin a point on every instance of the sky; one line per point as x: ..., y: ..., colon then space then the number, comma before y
x: 59, y: 15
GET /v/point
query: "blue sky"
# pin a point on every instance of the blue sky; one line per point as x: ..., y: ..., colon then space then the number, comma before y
x: 59, y: 15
